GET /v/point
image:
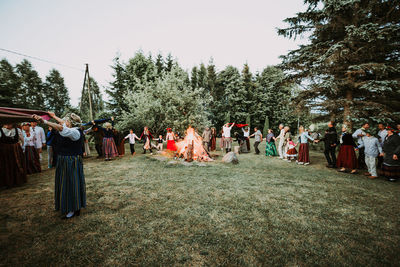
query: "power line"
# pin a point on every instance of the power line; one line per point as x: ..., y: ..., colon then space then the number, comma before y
x: 40, y: 59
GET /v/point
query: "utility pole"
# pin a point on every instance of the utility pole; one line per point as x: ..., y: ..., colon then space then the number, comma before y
x: 89, y: 93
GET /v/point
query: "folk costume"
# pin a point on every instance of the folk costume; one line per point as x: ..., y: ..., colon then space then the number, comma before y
x: 226, y: 133
x: 213, y: 142
x: 160, y: 144
x: 390, y: 166
x: 98, y: 136
x: 270, y: 148
x: 70, y: 187
x: 40, y: 139
x: 207, y: 139
x: 304, y: 150
x: 170, y: 137
x: 372, y: 150
x: 32, y: 159
x: 281, y: 138
x: 292, y: 152
x: 347, y: 157
x: 109, y: 148
x: 246, y: 134
x: 359, y: 134
x: 146, y: 135
x: 12, y: 161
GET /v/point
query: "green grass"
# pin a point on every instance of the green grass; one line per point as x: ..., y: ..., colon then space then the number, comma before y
x: 261, y: 212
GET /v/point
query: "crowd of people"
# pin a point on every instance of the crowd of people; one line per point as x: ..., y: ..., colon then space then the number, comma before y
x: 67, y: 143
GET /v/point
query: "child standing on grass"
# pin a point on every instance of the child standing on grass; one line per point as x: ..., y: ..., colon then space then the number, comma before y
x: 160, y: 142
x: 132, y: 136
x: 292, y: 152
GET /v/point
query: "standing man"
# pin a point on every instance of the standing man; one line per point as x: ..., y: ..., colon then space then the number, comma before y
x: 281, y: 138
x: 381, y: 137
x: 226, y: 133
x: 372, y: 150
x: 40, y: 138
x: 331, y: 141
x: 258, y: 138
x: 98, y: 136
x: 246, y: 134
x: 206, y: 139
x: 359, y: 134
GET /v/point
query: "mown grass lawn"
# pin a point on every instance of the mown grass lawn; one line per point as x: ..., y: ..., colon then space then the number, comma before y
x: 264, y: 211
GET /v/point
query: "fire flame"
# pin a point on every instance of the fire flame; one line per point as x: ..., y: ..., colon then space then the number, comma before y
x: 191, y: 147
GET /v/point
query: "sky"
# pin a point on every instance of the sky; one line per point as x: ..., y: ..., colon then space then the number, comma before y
x: 76, y: 32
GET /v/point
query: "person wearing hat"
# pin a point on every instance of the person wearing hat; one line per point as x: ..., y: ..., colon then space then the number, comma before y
x: 170, y: 137
x: 391, y: 155
x: 70, y: 186
x: 372, y: 149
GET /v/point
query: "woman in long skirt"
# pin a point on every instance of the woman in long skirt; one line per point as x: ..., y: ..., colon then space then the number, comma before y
x: 304, y: 150
x: 110, y: 150
x: 32, y: 159
x: 147, y: 137
x: 347, y: 158
x: 70, y: 187
x: 170, y: 137
x: 213, y: 142
x: 12, y: 161
x: 391, y: 158
x: 270, y: 148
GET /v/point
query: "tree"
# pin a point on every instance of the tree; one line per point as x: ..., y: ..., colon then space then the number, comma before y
x: 159, y: 64
x: 266, y: 126
x: 351, y: 65
x: 193, y: 77
x: 118, y: 88
x: 202, y: 77
x: 30, y: 93
x: 169, y: 102
x: 57, y: 96
x: 97, y: 101
x: 9, y: 84
x: 169, y: 63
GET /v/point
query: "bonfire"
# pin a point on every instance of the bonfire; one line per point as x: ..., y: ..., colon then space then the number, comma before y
x: 191, y: 147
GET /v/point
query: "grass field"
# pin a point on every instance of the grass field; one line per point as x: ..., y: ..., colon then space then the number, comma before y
x: 263, y: 211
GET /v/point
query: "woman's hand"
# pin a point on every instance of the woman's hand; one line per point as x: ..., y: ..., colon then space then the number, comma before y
x: 395, y: 157
x: 38, y: 118
x: 51, y: 114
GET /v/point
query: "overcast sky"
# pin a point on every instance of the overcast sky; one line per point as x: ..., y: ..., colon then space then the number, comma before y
x: 76, y: 32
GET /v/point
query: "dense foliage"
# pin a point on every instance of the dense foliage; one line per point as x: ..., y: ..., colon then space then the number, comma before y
x: 351, y: 65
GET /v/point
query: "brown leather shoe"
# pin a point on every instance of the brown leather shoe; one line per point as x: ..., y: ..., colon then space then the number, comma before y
x: 372, y: 177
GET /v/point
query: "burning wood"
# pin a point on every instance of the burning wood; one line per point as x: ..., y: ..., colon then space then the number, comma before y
x: 191, y: 147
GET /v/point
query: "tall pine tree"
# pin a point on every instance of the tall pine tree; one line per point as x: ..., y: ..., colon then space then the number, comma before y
x: 57, y: 96
x: 9, y: 84
x: 351, y: 65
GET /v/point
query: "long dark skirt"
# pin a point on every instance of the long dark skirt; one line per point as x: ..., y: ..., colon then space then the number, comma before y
x: 109, y: 148
x: 32, y: 160
x: 12, y: 165
x: 391, y: 171
x: 213, y: 145
x: 347, y: 158
x: 70, y: 187
x: 304, y: 153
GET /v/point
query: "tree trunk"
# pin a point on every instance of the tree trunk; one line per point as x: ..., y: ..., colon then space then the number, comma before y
x: 347, y: 110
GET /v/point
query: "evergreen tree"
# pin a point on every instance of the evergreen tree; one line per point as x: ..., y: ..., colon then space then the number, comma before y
x: 118, y: 88
x: 30, y: 93
x: 266, y: 126
x: 9, y: 84
x: 159, y: 64
x: 193, y: 78
x: 351, y: 64
x: 211, y: 77
x: 57, y: 96
x: 97, y: 101
x: 202, y: 77
x: 169, y: 63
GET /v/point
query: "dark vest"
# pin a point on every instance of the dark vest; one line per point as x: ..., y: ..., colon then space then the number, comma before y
x: 67, y: 147
x: 8, y: 139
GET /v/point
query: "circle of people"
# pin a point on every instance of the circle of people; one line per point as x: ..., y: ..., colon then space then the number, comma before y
x: 21, y: 150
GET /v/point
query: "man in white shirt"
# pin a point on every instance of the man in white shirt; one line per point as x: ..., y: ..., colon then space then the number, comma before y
x: 132, y: 138
x: 226, y: 132
x: 359, y: 134
x: 40, y: 138
x: 381, y: 136
x: 281, y: 138
x: 246, y: 134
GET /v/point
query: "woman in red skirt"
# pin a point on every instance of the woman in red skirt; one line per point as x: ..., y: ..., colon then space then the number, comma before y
x: 304, y: 150
x: 170, y: 140
x: 347, y: 158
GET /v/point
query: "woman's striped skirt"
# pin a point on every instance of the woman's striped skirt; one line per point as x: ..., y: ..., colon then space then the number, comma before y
x: 109, y: 148
x: 32, y: 160
x: 70, y: 187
